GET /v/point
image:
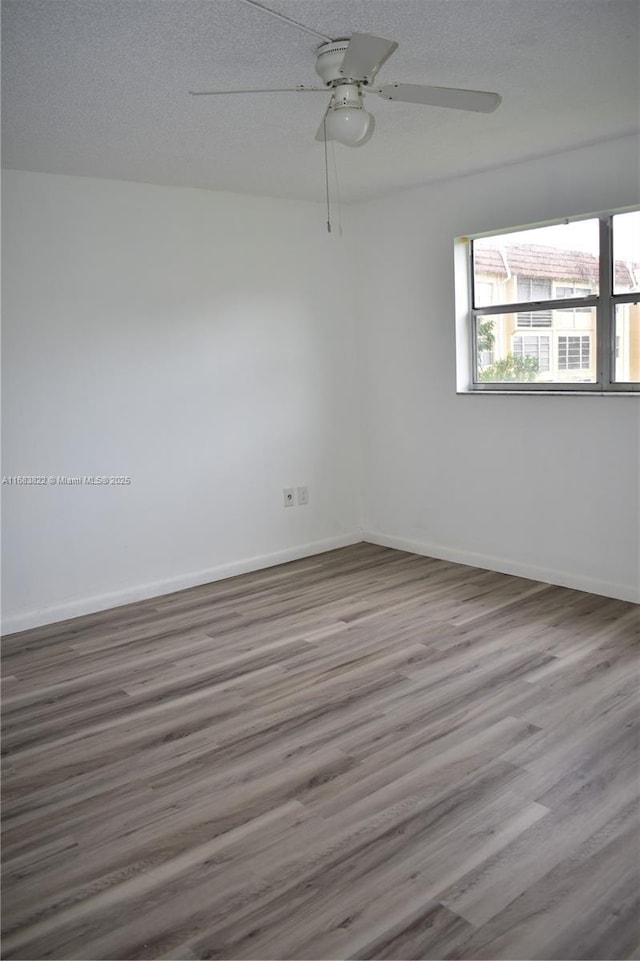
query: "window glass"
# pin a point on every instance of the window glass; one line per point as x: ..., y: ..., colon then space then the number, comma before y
x: 573, y: 290
x: 574, y: 352
x: 626, y: 252
x: 534, y: 318
x: 528, y: 265
x: 627, y: 340
x: 533, y: 345
x: 546, y: 352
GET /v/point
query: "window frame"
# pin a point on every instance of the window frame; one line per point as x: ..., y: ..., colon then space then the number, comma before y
x: 605, y: 302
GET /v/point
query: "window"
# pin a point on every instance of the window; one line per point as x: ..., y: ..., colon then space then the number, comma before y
x: 573, y: 352
x: 564, y: 291
x: 575, y: 317
x: 530, y: 289
x: 527, y: 318
x: 554, y: 307
x: 533, y: 346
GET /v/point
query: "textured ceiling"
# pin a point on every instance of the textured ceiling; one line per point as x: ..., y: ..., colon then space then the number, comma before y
x: 100, y: 88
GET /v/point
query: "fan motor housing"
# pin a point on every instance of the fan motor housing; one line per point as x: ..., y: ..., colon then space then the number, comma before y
x: 347, y: 95
x: 329, y: 60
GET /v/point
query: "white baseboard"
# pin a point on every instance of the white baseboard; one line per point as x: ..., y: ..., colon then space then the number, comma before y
x: 22, y: 621
x: 623, y: 592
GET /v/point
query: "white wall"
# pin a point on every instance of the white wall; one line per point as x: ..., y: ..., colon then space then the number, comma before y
x: 546, y: 487
x: 183, y: 338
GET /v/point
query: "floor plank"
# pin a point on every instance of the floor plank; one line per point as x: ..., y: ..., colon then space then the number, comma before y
x: 363, y: 754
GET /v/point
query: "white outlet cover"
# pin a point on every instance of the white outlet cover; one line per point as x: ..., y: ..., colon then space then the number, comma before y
x: 288, y: 496
x: 303, y: 495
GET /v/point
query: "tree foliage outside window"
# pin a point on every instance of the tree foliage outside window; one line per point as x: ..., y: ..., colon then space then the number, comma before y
x: 513, y: 368
x: 486, y: 337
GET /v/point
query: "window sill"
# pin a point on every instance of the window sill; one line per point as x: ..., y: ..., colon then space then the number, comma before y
x: 548, y: 393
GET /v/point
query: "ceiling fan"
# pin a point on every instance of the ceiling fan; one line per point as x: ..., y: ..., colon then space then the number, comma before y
x: 349, y: 66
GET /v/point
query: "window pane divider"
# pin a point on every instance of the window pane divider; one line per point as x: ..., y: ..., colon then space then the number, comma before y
x: 605, y: 332
x: 632, y: 298
x: 569, y: 303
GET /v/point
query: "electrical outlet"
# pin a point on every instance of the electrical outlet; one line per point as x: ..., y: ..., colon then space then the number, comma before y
x: 288, y: 497
x: 303, y: 495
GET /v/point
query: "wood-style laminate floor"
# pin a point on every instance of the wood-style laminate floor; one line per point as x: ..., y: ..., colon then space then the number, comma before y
x: 364, y: 754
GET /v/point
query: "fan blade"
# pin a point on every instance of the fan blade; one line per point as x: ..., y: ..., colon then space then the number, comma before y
x: 365, y: 55
x: 299, y: 89
x: 479, y: 100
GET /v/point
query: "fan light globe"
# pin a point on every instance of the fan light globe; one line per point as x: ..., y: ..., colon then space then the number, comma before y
x: 349, y: 125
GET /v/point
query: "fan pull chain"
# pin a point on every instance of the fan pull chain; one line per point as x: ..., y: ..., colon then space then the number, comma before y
x: 326, y: 173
